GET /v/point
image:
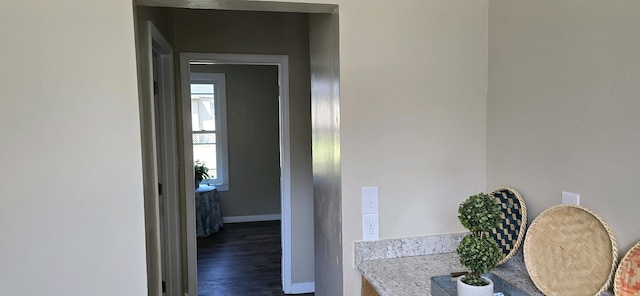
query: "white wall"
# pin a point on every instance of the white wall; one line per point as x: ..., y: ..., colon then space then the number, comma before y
x: 71, y: 206
x: 563, y: 106
x: 413, y: 111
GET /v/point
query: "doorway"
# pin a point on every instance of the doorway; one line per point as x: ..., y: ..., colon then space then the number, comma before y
x: 226, y: 32
x: 160, y: 160
x: 187, y: 60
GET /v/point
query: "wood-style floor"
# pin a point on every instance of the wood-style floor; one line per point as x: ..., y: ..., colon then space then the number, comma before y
x: 243, y: 259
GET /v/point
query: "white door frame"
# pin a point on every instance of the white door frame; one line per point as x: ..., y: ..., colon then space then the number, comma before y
x: 282, y: 61
x: 169, y: 199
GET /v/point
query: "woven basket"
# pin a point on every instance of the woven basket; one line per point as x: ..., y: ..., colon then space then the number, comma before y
x: 570, y: 250
x: 510, y: 233
x: 627, y: 280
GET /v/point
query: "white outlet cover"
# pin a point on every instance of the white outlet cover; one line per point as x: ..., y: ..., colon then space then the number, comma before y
x: 370, y: 227
x: 569, y: 198
x: 369, y: 200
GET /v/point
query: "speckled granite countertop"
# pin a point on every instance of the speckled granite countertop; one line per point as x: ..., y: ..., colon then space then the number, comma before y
x: 411, y: 276
x: 404, y: 267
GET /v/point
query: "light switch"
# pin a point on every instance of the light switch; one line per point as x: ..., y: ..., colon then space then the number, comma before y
x: 369, y: 200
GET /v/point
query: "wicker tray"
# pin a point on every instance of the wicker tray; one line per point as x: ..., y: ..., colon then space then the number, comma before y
x: 569, y: 250
x: 627, y: 280
x: 510, y: 234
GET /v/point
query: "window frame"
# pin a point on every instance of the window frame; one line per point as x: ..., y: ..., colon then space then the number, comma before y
x: 220, y: 101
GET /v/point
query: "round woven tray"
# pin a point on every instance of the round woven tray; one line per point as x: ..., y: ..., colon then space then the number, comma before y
x: 510, y: 233
x: 627, y: 280
x: 570, y: 250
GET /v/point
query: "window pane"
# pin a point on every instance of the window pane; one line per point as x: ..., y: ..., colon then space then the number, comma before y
x: 203, y: 110
x: 204, y: 138
x: 204, y: 149
x: 201, y: 89
x: 207, y: 154
x: 203, y: 118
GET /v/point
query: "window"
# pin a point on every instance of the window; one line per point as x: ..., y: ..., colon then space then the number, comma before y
x: 208, y: 125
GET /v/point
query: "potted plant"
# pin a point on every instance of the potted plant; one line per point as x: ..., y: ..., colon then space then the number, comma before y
x: 478, y: 251
x: 201, y: 172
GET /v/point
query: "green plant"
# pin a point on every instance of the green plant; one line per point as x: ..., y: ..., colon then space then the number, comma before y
x: 201, y: 171
x: 478, y: 251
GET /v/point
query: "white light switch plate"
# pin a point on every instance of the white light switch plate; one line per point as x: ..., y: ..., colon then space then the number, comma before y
x: 369, y: 200
x: 570, y: 198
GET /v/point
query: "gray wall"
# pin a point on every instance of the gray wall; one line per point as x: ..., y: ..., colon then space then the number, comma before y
x: 161, y: 18
x: 563, y: 106
x: 253, y: 138
x: 213, y: 31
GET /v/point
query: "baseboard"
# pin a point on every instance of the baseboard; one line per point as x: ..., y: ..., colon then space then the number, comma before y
x: 251, y: 218
x: 300, y: 288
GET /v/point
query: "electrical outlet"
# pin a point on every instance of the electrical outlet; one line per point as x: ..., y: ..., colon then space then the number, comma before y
x: 369, y: 200
x: 370, y: 227
x: 570, y: 198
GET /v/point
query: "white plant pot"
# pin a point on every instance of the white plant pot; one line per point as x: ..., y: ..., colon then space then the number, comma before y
x: 469, y: 290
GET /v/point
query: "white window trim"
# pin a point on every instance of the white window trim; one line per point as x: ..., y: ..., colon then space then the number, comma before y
x: 220, y: 101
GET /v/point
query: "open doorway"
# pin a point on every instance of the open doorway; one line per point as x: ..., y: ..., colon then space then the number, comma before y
x: 160, y: 161
x: 208, y: 72
x: 265, y: 30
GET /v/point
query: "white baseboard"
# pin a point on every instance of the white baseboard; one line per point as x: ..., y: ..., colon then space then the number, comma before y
x: 251, y: 218
x: 300, y: 288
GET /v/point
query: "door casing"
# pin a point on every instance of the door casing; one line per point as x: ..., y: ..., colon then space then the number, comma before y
x: 167, y: 154
x: 282, y: 61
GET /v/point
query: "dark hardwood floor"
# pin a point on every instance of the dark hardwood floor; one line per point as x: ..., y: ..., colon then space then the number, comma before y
x: 243, y: 259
